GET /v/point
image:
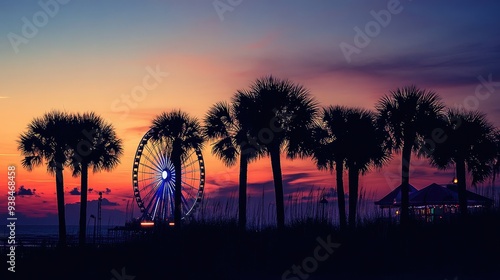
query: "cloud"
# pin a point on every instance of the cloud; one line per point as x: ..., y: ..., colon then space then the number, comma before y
x: 441, y: 67
x: 138, y: 129
x: 23, y: 191
x: 458, y: 65
x: 75, y: 191
x: 105, y: 191
x: 106, y: 202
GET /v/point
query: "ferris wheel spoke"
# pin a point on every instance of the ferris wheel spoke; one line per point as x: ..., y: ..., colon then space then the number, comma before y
x: 149, y: 181
x: 159, y: 154
x: 162, y: 201
x: 149, y: 173
x: 189, y: 185
x: 190, y: 163
x: 145, y: 166
x: 190, y: 171
x: 150, y: 157
x: 155, y: 207
x: 191, y: 197
x: 171, y: 200
x: 153, y: 161
x: 152, y: 187
x: 191, y: 153
x: 185, y: 204
x: 150, y: 178
x: 185, y: 177
x: 152, y: 202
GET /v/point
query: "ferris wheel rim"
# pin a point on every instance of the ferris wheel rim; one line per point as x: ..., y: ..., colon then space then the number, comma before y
x: 191, y: 203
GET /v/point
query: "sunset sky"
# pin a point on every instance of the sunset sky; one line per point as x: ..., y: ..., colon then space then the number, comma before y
x: 79, y: 56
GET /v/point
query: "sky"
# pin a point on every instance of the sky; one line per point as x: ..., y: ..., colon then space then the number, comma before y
x: 129, y: 61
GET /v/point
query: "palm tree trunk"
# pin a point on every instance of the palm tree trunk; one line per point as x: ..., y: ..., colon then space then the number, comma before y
x: 405, y: 182
x: 83, y: 204
x: 242, y: 218
x: 60, y: 204
x: 176, y: 161
x: 278, y: 186
x: 339, y: 168
x: 353, y: 174
x: 462, y: 189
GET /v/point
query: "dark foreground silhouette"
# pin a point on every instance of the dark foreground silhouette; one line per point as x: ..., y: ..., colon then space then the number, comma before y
x: 452, y: 250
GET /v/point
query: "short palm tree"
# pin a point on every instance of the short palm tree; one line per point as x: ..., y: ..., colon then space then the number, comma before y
x: 47, y: 140
x: 224, y: 123
x: 409, y: 114
x: 469, y: 145
x: 97, y: 146
x: 182, y: 133
x: 283, y: 115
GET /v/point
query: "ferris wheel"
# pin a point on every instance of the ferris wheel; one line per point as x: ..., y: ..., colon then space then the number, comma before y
x: 153, y: 180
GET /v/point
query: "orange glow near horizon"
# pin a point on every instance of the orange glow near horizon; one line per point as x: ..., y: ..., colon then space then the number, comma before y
x: 129, y: 72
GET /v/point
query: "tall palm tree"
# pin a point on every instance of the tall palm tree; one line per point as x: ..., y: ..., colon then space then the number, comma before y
x: 469, y: 145
x: 97, y: 146
x: 284, y: 113
x: 408, y: 114
x: 224, y: 123
x: 366, y: 148
x: 330, y: 148
x: 47, y: 140
x: 182, y: 133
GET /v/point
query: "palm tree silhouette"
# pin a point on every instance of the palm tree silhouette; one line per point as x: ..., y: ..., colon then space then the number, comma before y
x: 47, y: 139
x: 224, y: 123
x: 348, y: 137
x: 496, y: 165
x: 408, y: 114
x: 97, y: 146
x: 330, y: 148
x: 366, y: 148
x: 182, y: 133
x: 469, y: 145
x: 283, y: 115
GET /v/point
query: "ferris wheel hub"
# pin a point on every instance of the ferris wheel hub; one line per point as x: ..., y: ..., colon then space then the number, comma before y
x: 164, y: 174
